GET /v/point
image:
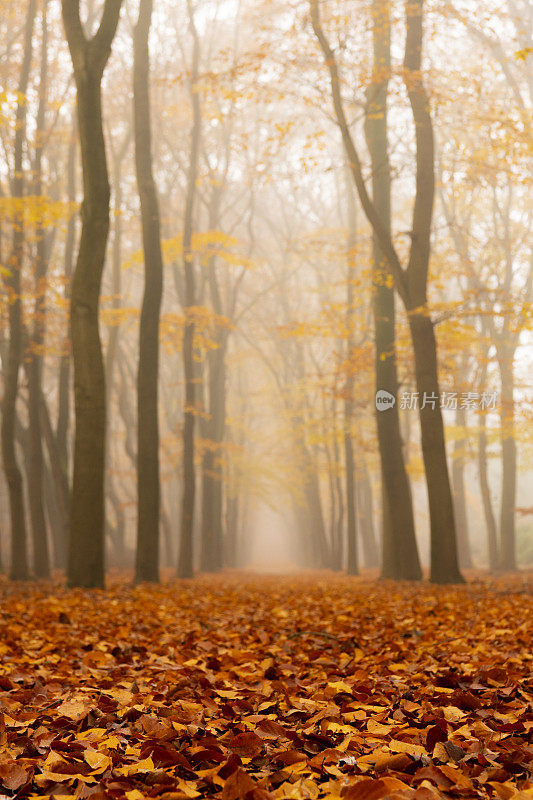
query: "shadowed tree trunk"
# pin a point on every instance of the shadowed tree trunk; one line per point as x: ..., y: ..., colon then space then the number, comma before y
x: 352, y: 564
x: 490, y: 521
x: 400, y: 558
x: 41, y: 560
x: 185, y: 559
x: 19, y: 558
x: 89, y: 58
x: 366, y: 518
x: 509, y: 462
x: 63, y: 414
x: 458, y: 482
x: 61, y: 486
x: 148, y: 490
x: 411, y: 283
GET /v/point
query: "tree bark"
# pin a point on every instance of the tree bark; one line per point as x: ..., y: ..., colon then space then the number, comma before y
x: 352, y: 563
x: 89, y: 58
x: 41, y: 559
x: 400, y: 559
x: 366, y: 519
x: 509, y: 464
x: 490, y: 521
x: 444, y: 566
x: 185, y: 559
x: 212, y: 472
x: 212, y: 551
x: 411, y: 283
x: 148, y: 488
x: 459, y: 497
x: 63, y: 414
x: 19, y: 558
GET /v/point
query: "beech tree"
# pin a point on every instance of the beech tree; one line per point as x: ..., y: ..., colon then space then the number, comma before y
x: 12, y: 278
x: 89, y: 58
x: 400, y: 554
x: 185, y: 560
x: 411, y: 282
x: 148, y: 492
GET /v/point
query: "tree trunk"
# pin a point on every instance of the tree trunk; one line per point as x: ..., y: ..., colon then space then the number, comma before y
x: 89, y: 58
x: 459, y: 498
x: 61, y: 486
x: 148, y: 488
x: 366, y: 519
x: 338, y: 530
x: 400, y: 551
x: 63, y: 415
x: 19, y: 558
x: 509, y: 464
x: 113, y: 340
x: 411, y: 283
x: 490, y: 521
x: 41, y: 560
x: 444, y: 566
x: 352, y: 563
x: 212, y: 470
x: 185, y: 560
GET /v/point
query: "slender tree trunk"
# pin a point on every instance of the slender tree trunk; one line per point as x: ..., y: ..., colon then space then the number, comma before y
x: 337, y: 532
x: 89, y: 58
x: 411, y: 282
x: 148, y: 488
x: 490, y: 521
x: 185, y: 560
x: 41, y: 560
x: 55, y: 521
x: 444, y: 563
x: 400, y: 551
x: 113, y: 342
x: 366, y: 519
x: 509, y: 464
x: 212, y: 469
x: 232, y: 527
x: 63, y: 415
x: 19, y: 559
x: 61, y: 486
x: 352, y: 564
x: 315, y: 515
x: 459, y: 497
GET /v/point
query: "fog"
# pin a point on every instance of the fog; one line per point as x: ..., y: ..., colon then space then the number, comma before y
x: 310, y: 203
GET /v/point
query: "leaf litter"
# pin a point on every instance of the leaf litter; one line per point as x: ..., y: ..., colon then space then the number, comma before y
x: 263, y: 688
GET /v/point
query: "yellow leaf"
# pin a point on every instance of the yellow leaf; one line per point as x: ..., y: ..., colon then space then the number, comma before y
x: 98, y: 762
x: 146, y: 765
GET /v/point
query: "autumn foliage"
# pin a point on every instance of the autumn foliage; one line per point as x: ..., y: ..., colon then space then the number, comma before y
x: 309, y: 687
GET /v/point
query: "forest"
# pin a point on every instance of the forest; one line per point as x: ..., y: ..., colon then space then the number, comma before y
x: 266, y: 359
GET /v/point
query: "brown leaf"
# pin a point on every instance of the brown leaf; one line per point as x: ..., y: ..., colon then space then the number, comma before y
x: 246, y: 744
x: 238, y: 785
x: 13, y: 776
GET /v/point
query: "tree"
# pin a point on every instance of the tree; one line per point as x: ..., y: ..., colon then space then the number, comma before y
x: 89, y: 58
x: 411, y: 282
x: 185, y: 560
x: 400, y: 554
x: 148, y: 490
x: 19, y: 564
x: 41, y: 560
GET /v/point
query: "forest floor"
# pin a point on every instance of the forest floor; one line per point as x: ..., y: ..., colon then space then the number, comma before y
x: 257, y: 687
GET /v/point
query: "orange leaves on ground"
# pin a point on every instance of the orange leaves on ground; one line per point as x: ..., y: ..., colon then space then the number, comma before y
x: 322, y: 688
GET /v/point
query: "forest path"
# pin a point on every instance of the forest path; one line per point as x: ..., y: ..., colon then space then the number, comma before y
x: 263, y: 687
